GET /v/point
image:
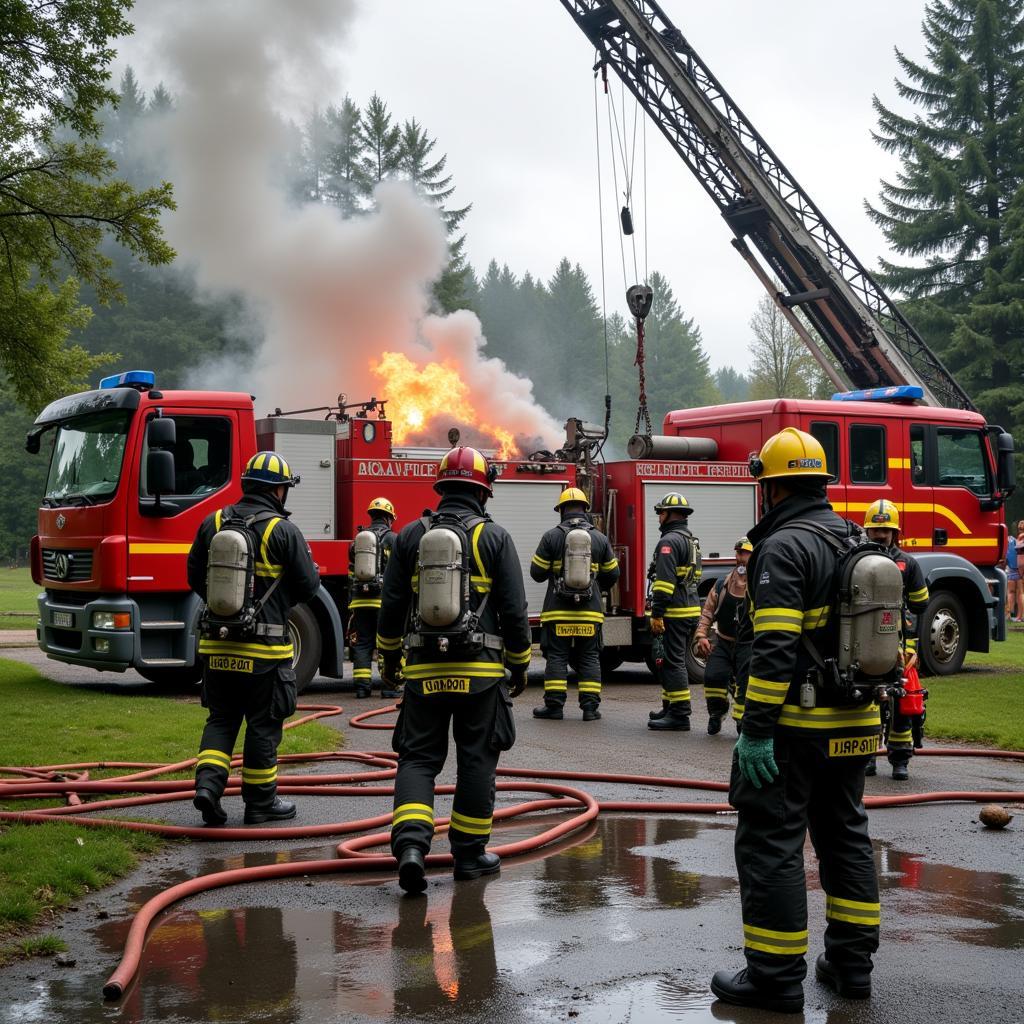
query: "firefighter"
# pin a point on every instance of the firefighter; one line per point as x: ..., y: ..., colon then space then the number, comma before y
x: 365, y: 601
x: 572, y: 615
x: 247, y: 673
x: 675, y: 608
x: 455, y: 677
x: 727, y: 660
x: 882, y: 525
x: 796, y: 766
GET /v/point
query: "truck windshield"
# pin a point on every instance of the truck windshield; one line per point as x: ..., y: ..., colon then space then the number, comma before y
x: 87, y: 457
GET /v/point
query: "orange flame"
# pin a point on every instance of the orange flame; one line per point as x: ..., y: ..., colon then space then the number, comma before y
x: 430, y: 398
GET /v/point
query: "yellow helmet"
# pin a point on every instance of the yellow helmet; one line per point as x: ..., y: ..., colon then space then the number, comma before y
x: 743, y: 544
x: 572, y: 494
x: 882, y: 515
x: 789, y: 453
x: 382, y: 505
x: 673, y: 502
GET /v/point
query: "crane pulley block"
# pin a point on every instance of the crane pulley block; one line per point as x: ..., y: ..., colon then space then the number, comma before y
x: 639, y: 299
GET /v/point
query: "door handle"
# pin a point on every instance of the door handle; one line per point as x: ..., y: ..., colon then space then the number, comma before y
x: 940, y: 538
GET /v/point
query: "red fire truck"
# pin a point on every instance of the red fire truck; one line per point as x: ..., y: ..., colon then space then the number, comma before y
x: 111, y: 553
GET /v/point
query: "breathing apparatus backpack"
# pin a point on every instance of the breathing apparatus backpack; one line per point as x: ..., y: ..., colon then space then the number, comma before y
x: 867, y: 593
x: 231, y: 604
x: 367, y: 562
x: 576, y: 580
x: 443, y: 618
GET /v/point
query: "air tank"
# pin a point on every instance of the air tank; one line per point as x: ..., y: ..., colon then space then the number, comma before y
x: 675, y: 449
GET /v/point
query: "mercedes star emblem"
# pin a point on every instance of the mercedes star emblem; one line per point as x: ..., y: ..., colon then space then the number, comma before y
x: 61, y: 521
x: 62, y: 565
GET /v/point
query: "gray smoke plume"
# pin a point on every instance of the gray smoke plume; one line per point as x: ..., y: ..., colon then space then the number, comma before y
x: 328, y: 293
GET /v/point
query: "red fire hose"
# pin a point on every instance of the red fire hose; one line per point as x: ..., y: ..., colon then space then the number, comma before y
x: 72, y: 781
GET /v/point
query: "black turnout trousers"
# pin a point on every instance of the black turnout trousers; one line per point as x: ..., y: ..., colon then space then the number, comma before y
x: 481, y: 724
x: 824, y: 794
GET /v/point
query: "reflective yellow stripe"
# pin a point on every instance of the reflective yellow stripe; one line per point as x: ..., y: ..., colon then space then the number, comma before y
x: 675, y: 696
x: 829, y: 718
x: 473, y: 826
x: 608, y: 566
x: 264, y: 552
x: 667, y: 588
x: 768, y: 941
x: 556, y: 684
x: 216, y: 518
x: 901, y: 737
x: 853, y: 911
x: 815, y: 618
x: 273, y: 653
x: 918, y: 596
x: 518, y: 657
x: 361, y: 673
x: 767, y: 691
x: 687, y: 612
x: 942, y: 510
x: 541, y: 563
x: 159, y: 549
x: 714, y: 691
x: 259, y: 775
x: 899, y: 463
x: 788, y: 614
x: 216, y: 756
x: 385, y: 643
x: 412, y: 812
x: 483, y: 579
x: 911, y: 643
x: 560, y: 615
x: 365, y: 602
x: 490, y: 669
x: 590, y: 686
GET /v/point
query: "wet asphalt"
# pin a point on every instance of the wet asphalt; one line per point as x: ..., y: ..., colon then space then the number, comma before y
x: 625, y: 923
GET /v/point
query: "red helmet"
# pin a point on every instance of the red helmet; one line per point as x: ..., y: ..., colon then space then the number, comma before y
x: 464, y: 466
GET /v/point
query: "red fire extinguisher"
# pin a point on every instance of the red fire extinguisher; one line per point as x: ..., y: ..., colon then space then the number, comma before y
x: 911, y: 704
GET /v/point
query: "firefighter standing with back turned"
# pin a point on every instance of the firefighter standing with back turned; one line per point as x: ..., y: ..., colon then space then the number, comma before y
x: 247, y: 670
x: 675, y: 609
x: 455, y: 576
x: 577, y: 562
x: 797, y: 766
x: 367, y: 560
x: 882, y: 524
x: 728, y: 659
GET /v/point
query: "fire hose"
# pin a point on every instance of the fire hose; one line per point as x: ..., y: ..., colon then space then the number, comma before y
x: 72, y: 782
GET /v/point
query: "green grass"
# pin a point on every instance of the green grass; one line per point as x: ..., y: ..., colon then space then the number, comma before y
x: 17, y: 594
x: 39, y: 945
x: 985, y: 703
x: 46, y: 867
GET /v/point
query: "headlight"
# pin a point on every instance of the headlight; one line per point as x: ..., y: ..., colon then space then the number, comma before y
x: 111, y: 620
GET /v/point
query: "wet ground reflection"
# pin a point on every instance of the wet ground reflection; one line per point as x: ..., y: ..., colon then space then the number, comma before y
x: 623, y: 925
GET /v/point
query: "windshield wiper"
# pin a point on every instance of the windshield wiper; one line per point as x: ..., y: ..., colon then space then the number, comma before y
x: 71, y: 499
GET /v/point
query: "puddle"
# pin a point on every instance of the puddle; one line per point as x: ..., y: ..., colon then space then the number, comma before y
x: 626, y: 924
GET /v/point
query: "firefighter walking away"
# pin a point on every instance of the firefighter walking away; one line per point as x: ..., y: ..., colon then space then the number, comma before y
x: 367, y: 560
x: 455, y: 577
x: 728, y: 658
x: 904, y: 713
x: 250, y: 566
x: 577, y: 562
x: 675, y: 608
x: 806, y: 737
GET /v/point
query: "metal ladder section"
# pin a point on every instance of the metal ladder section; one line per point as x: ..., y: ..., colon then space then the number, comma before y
x: 860, y: 326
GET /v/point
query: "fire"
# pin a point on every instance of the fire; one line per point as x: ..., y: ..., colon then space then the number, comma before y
x: 430, y: 398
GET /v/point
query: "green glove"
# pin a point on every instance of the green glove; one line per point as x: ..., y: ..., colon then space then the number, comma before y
x: 757, y: 759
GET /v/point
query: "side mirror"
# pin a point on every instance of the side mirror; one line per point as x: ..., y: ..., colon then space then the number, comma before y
x: 32, y: 442
x: 161, y: 433
x: 160, y: 471
x: 1006, y: 472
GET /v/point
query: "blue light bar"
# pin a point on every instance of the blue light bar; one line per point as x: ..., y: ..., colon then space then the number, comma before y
x: 900, y: 393
x: 141, y: 380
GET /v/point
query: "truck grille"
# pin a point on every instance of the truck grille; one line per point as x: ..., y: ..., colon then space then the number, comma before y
x: 67, y: 566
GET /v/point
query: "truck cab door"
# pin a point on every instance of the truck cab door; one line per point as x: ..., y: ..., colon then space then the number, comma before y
x: 918, y: 509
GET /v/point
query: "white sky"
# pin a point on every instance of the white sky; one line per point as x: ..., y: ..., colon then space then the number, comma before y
x: 507, y: 90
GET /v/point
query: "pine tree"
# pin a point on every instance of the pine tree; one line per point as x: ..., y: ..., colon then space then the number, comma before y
x: 161, y: 102
x: 344, y: 158
x: 963, y: 158
x: 382, y: 146
x: 732, y: 384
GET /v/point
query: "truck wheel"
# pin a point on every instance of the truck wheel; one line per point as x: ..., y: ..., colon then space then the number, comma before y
x: 942, y: 635
x: 611, y: 658
x: 177, y: 679
x: 305, y: 634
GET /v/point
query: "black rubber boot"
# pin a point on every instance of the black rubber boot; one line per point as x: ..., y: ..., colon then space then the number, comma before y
x: 362, y: 692
x: 208, y: 804
x: 653, y: 715
x: 714, y: 725
x: 671, y: 721
x: 848, y: 984
x: 552, y: 711
x: 411, y: 869
x: 739, y: 990
x: 279, y: 810
x: 391, y: 693
x: 591, y: 713
x: 871, y: 769
x: 900, y: 772
x: 485, y: 864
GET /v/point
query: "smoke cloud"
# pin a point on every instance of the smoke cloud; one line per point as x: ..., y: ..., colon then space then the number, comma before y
x: 329, y: 294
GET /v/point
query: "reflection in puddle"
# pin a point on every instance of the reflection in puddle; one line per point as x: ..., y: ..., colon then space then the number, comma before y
x: 605, y: 929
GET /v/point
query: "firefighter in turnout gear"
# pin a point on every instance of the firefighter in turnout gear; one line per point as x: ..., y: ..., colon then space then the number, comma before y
x: 882, y: 524
x: 728, y: 659
x: 247, y: 671
x: 456, y: 578
x: 364, y: 602
x: 675, y: 608
x: 799, y: 762
x: 577, y: 562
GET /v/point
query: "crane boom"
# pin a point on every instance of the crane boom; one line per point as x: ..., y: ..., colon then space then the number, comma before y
x: 864, y: 331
